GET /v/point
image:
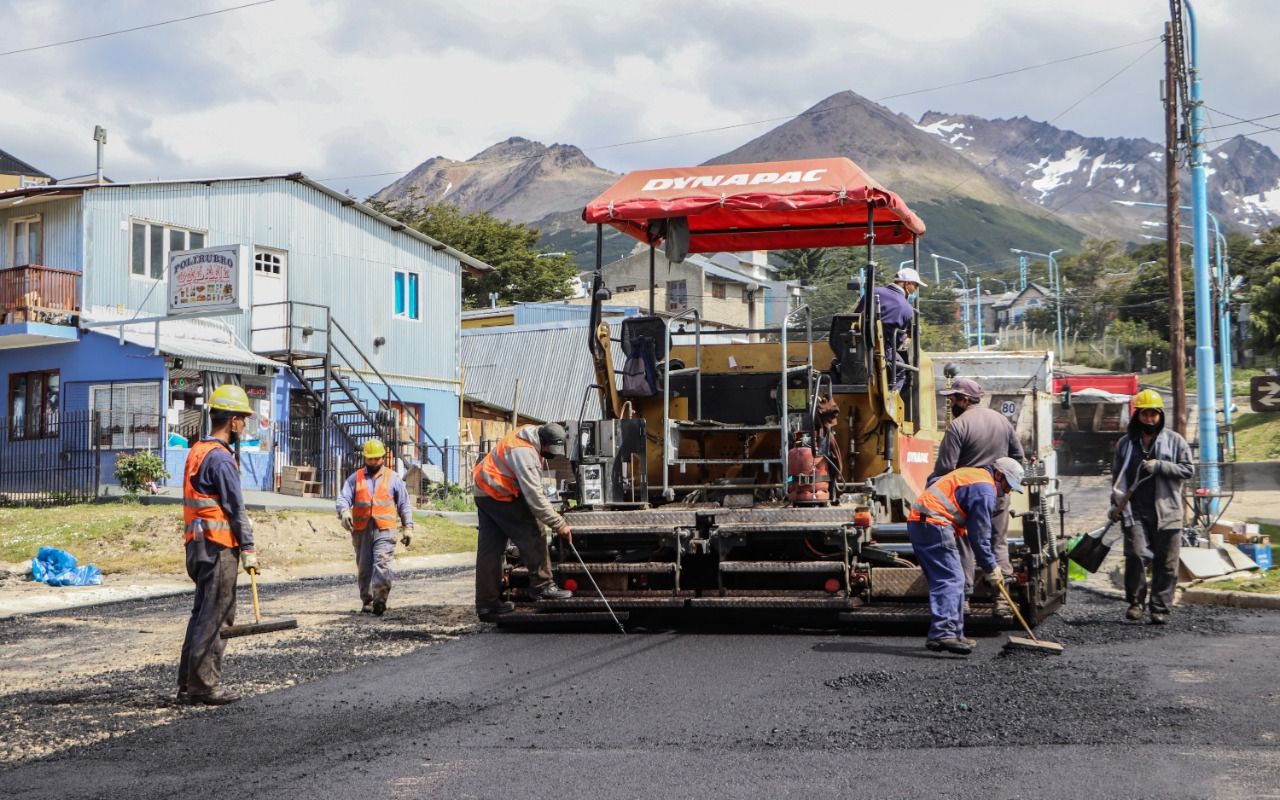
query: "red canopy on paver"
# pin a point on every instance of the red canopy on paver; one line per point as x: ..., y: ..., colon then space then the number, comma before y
x: 774, y: 205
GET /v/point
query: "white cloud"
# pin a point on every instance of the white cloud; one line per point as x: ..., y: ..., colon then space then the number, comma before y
x: 343, y: 87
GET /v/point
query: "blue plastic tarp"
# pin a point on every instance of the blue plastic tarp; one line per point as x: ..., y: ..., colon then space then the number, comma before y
x: 58, y: 568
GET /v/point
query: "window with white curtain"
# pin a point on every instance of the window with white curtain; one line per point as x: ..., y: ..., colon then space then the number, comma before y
x: 128, y: 414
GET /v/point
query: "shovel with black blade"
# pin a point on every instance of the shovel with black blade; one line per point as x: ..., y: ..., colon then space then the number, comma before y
x: 1091, y: 550
x: 257, y: 626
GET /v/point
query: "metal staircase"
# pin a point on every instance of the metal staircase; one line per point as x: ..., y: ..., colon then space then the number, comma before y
x: 354, y: 402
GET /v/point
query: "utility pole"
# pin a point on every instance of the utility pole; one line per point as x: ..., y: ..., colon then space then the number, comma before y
x: 1177, y: 327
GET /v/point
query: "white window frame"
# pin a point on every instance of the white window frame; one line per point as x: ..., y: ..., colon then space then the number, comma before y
x: 135, y: 393
x: 165, y: 229
x: 25, y: 223
x: 410, y: 277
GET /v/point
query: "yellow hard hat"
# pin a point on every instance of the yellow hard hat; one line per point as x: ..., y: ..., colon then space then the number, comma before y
x: 374, y: 448
x: 1148, y: 398
x: 231, y: 398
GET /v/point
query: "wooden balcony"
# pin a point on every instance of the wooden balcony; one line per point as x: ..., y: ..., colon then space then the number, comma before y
x: 39, y: 294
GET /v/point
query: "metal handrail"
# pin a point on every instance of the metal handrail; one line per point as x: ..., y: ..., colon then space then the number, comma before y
x: 330, y: 324
x: 667, y: 462
x: 784, y: 446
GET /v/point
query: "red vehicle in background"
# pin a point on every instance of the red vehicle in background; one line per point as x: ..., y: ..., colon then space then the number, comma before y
x: 1091, y: 415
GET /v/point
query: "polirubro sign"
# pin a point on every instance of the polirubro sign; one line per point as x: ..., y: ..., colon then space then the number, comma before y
x: 209, y: 279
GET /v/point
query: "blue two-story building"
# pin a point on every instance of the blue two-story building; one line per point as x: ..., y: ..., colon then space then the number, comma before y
x: 347, y: 328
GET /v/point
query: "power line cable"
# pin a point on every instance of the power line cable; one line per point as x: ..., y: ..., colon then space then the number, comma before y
x: 136, y: 28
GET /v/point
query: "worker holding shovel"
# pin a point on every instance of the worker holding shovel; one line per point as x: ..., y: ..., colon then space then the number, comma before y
x: 217, y: 534
x: 374, y: 501
x: 1152, y: 519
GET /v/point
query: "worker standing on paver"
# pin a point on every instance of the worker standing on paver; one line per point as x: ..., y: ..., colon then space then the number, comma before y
x: 976, y: 437
x: 896, y: 314
x: 373, y: 502
x: 217, y: 533
x: 1152, y: 520
x: 512, y: 471
x: 957, y: 506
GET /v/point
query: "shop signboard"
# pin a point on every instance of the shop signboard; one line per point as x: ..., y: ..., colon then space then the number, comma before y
x: 209, y: 279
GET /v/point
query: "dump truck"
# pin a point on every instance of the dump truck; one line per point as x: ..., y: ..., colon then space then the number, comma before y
x: 767, y: 475
x: 1092, y: 414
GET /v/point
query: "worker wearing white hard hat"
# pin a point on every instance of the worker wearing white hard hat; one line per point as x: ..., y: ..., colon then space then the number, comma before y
x: 896, y: 315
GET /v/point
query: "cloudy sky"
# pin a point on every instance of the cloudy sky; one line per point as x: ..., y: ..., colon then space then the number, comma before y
x: 342, y: 89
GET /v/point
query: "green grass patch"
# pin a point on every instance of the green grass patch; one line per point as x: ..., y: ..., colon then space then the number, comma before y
x: 433, y: 534
x: 1240, y: 377
x: 1257, y: 436
x: 1263, y: 583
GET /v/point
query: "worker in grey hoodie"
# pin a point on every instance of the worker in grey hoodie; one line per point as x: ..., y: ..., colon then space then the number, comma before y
x: 1157, y: 460
x: 510, y: 503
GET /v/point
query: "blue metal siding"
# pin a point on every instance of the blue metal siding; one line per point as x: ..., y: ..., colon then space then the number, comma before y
x: 60, y: 221
x: 337, y: 256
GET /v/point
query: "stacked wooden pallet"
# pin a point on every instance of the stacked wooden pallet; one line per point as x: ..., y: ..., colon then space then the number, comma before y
x: 300, y: 482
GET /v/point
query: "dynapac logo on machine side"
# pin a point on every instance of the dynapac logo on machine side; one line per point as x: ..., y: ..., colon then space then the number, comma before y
x: 736, y: 179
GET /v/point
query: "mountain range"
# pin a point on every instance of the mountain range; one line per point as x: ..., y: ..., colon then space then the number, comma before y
x: 981, y: 185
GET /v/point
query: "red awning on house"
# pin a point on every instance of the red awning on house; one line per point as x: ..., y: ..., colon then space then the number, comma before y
x: 825, y: 202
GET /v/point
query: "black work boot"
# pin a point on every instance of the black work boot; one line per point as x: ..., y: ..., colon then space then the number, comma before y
x: 957, y: 646
x: 379, y: 607
x: 1134, y: 614
x: 549, y: 591
x: 219, y: 696
x: 491, y: 613
x: 1159, y: 618
x: 367, y: 608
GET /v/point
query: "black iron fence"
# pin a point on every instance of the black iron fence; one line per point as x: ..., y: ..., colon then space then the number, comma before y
x: 62, y: 464
x: 304, y: 443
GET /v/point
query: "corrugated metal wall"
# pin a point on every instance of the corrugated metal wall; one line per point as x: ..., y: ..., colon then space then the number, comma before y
x: 338, y: 257
x: 61, y: 224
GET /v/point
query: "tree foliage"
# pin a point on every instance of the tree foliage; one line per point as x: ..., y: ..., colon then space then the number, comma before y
x: 520, y: 271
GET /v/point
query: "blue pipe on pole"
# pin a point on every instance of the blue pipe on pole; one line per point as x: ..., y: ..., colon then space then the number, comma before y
x: 1205, y: 389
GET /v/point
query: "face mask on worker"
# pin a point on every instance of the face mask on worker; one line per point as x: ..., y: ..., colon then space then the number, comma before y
x: 1148, y: 427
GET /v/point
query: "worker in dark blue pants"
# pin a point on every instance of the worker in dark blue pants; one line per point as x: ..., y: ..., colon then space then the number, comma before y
x: 958, y: 504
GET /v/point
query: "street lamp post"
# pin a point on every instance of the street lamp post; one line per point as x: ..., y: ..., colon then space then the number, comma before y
x: 1208, y: 422
x: 964, y: 309
x: 964, y: 282
x: 1055, y: 281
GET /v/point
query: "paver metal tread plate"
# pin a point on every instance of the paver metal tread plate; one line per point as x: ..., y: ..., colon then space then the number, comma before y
x: 608, y: 568
x: 791, y: 517
x: 899, y: 582
x: 839, y: 604
x: 595, y: 604
x: 782, y: 566
x: 535, y: 618
x: 622, y: 520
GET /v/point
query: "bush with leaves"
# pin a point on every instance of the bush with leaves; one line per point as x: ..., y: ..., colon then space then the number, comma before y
x: 139, y: 471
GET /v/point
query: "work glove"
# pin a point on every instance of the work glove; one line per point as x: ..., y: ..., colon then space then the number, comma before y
x: 249, y: 560
x: 348, y: 521
x: 994, y: 579
x: 565, y: 533
x: 1151, y: 466
x: 406, y: 535
x: 1114, y: 514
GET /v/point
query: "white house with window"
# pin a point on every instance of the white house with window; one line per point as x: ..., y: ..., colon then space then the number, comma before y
x: 1011, y: 307
x: 328, y: 284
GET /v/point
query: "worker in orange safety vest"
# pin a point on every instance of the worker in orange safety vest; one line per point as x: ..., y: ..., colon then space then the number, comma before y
x: 959, y: 504
x: 217, y: 534
x: 374, y: 501
x: 510, y: 504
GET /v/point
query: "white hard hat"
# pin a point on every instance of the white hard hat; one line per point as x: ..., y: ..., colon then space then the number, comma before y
x: 908, y: 275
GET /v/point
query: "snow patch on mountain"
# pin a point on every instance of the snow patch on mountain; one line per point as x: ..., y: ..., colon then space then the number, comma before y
x: 948, y: 131
x: 1056, y: 172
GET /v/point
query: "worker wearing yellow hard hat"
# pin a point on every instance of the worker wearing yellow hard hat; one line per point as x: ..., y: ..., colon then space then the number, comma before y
x: 374, y: 500
x: 217, y: 533
x: 1153, y: 462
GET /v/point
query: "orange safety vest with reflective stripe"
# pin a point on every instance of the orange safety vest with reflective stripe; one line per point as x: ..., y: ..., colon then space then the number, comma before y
x: 201, y: 506
x: 381, y: 508
x: 938, y: 503
x: 494, y: 476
